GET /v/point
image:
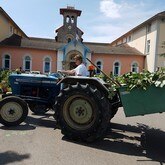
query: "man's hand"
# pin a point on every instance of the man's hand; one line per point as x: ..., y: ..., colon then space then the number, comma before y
x: 59, y: 71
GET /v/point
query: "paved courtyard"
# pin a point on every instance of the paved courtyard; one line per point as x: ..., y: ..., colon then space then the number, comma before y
x: 38, y: 142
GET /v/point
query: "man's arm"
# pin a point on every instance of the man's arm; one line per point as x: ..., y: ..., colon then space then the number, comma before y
x: 70, y: 72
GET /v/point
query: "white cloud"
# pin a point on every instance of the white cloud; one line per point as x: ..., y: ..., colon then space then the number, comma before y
x: 105, y: 29
x: 103, y: 33
x: 110, y: 9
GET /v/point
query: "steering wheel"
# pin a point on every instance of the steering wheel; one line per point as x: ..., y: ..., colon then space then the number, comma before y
x: 62, y: 75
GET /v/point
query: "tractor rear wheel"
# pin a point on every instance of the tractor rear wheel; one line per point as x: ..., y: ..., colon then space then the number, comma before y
x: 82, y: 112
x: 13, y: 111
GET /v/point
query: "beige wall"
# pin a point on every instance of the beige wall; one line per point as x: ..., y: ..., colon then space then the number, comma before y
x: 139, y: 39
x: 4, y: 26
x: 7, y: 28
x: 161, y: 60
x: 152, y: 36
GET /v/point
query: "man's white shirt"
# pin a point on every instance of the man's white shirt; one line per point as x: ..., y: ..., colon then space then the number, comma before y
x: 81, y: 70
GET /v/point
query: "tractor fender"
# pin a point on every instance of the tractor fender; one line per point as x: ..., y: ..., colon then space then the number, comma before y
x: 94, y: 81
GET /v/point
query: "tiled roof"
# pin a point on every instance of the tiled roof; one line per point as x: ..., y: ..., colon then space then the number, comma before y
x: 14, y: 40
x: 51, y: 44
x: 107, y: 49
x: 40, y: 43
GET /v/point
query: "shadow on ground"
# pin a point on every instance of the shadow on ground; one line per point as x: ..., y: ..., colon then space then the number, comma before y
x: 33, y: 121
x: 140, y: 140
x: 45, y: 120
x: 11, y: 157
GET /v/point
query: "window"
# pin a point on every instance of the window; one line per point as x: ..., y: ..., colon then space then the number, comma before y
x: 67, y: 19
x: 124, y: 40
x: 116, y: 69
x: 148, y: 28
x: 27, y: 63
x: 99, y: 65
x: 129, y: 38
x: 148, y: 46
x: 6, y: 62
x: 72, y: 19
x: 134, y: 67
x: 11, y: 29
x: 47, y: 65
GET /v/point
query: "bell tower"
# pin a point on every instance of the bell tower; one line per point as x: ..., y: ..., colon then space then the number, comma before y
x: 69, y: 30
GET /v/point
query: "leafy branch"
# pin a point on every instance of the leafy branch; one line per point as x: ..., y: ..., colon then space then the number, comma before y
x: 141, y: 80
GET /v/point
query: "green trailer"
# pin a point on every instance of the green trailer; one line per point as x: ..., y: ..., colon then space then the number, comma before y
x: 141, y: 102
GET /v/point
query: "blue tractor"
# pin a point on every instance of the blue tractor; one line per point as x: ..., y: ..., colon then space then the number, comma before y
x: 81, y: 104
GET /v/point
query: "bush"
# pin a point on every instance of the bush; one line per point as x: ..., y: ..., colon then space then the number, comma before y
x: 4, y: 82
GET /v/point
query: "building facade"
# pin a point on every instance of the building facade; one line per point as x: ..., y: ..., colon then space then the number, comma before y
x: 17, y: 50
x: 147, y: 38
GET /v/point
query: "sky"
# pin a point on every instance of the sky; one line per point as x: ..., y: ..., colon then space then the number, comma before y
x: 100, y: 20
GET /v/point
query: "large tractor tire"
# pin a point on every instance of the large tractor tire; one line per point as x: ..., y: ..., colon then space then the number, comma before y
x: 38, y: 109
x: 13, y: 111
x: 82, y: 112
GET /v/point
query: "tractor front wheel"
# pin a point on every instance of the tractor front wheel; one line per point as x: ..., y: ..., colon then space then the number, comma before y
x: 82, y: 112
x: 13, y: 111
